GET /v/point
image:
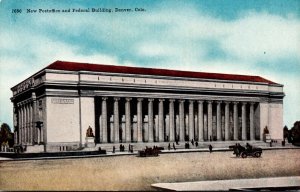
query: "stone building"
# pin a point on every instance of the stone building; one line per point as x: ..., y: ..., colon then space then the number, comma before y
x: 55, y: 106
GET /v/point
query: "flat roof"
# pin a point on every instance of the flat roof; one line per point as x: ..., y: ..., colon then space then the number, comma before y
x: 76, y: 66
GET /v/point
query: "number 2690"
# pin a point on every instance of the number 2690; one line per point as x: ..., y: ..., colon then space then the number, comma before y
x: 16, y: 10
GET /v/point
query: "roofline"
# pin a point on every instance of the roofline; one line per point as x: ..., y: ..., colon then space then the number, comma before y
x: 167, y: 70
x: 145, y: 68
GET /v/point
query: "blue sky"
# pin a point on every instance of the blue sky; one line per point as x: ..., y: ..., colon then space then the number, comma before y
x: 238, y: 37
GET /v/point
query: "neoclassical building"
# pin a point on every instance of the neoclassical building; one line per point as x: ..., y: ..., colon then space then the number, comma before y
x: 55, y: 106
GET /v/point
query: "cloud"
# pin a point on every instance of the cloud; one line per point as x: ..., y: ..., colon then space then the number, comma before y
x: 257, y: 37
x: 176, y: 37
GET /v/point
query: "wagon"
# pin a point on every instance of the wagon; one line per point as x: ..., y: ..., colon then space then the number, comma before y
x: 149, y: 152
x: 244, y: 152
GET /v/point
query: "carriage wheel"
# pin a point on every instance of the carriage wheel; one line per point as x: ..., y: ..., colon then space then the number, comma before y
x: 244, y: 155
x: 257, y: 154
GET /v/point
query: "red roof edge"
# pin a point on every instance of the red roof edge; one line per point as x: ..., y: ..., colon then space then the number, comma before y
x: 77, y: 66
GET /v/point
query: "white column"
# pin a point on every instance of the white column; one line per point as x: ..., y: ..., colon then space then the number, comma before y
x: 244, y: 132
x: 161, y: 120
x: 219, y: 130
x: 181, y: 120
x: 28, y: 123
x: 25, y: 123
x: 200, y: 121
x: 116, y: 119
x: 104, y: 120
x: 150, y: 120
x: 20, y: 124
x: 42, y: 134
x: 172, y: 121
x: 226, y: 121
x: 252, y: 131
x: 235, y: 121
x: 139, y: 120
x: 34, y: 119
x: 31, y: 124
x: 191, y: 120
x: 209, y: 119
x: 127, y: 121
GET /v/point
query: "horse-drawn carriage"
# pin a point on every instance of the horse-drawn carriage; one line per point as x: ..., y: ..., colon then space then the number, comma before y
x: 149, y: 152
x: 244, y: 152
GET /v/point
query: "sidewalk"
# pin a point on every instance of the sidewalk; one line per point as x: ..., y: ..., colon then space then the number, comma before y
x: 272, y: 183
x: 118, y: 153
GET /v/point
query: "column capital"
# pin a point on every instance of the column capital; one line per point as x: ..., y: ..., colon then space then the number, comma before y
x: 244, y: 103
x: 252, y: 103
x: 235, y: 102
x: 200, y: 101
x: 181, y: 100
x: 218, y: 102
x: 227, y: 102
x: 150, y: 99
x: 104, y: 98
x: 171, y: 100
x: 140, y: 99
x: 191, y: 101
x: 116, y: 98
x: 161, y: 100
x: 128, y: 98
x: 210, y: 102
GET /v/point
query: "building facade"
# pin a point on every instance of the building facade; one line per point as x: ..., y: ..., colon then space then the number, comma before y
x: 55, y: 106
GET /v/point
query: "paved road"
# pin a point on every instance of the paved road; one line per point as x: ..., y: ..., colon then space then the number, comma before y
x: 134, y: 173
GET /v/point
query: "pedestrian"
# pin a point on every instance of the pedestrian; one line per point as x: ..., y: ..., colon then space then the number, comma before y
x: 129, y: 148
x: 114, y: 149
x: 169, y: 146
x: 174, y: 146
x: 210, y: 148
x: 196, y: 143
x: 192, y: 142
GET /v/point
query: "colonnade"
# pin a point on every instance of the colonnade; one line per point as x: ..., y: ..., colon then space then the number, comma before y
x: 175, y: 120
x: 27, y: 132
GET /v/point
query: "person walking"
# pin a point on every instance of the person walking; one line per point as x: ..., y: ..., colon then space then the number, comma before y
x: 210, y: 148
x: 174, y: 146
x: 114, y: 149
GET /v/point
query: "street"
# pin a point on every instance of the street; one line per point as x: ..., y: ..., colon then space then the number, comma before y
x: 136, y: 173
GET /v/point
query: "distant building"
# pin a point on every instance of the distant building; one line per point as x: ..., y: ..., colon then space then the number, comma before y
x: 55, y: 106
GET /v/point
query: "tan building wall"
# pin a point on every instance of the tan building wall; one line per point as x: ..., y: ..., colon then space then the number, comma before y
x: 69, y: 102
